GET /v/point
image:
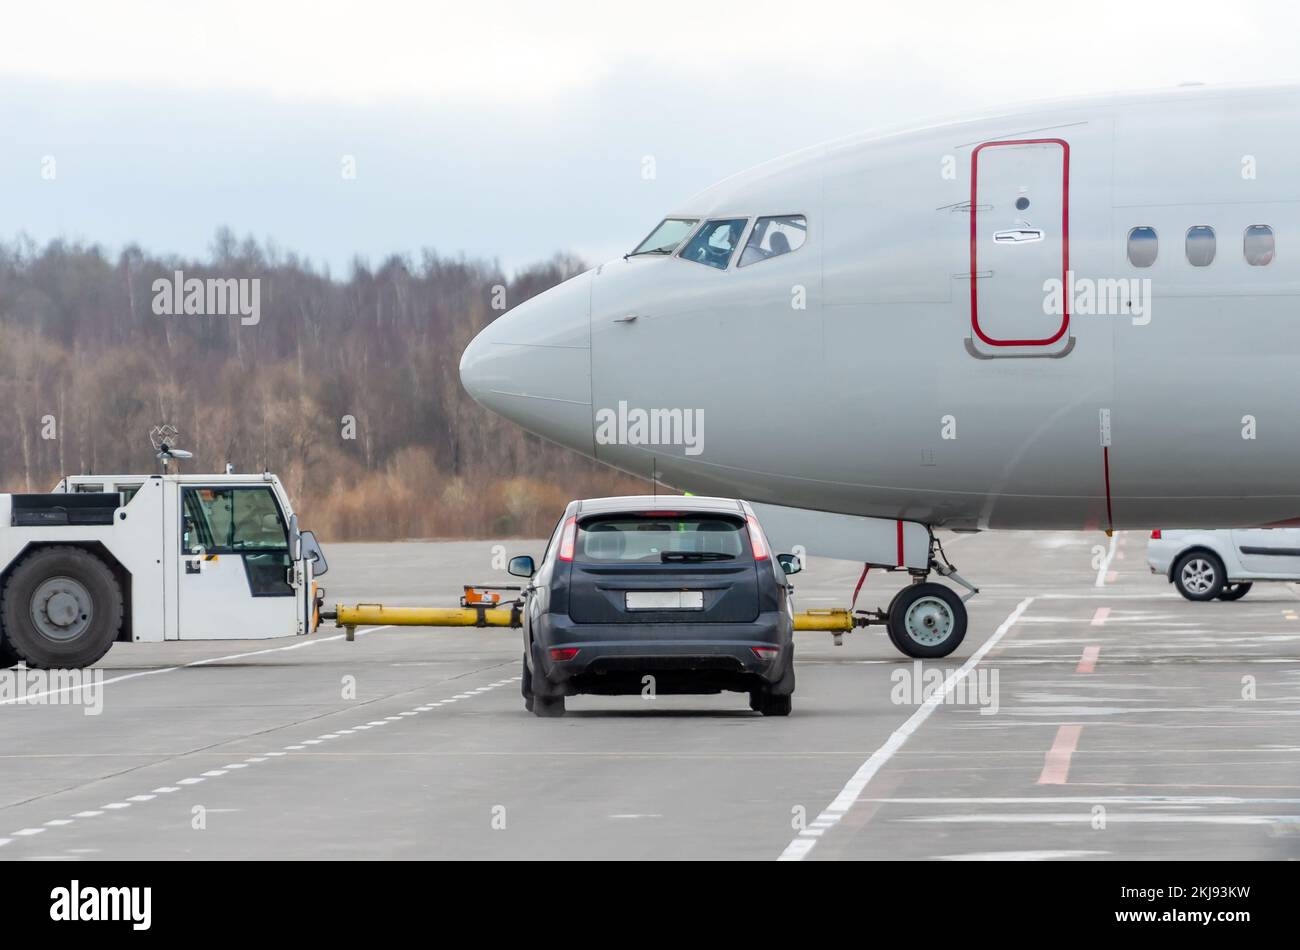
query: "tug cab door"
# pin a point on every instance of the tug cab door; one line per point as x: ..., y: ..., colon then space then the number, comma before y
x: 236, y: 577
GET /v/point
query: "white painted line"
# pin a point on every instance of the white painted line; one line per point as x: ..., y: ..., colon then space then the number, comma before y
x: 213, y: 773
x: 189, y: 781
x: 27, y: 832
x: 1105, y: 564
x: 1091, y: 800
x: 142, y: 798
x: 58, y: 822
x: 184, y: 666
x: 235, y: 765
x: 166, y: 790
x: 5, y: 841
x: 88, y: 814
x: 804, y: 842
x: 1099, y: 618
x: 1019, y: 855
x: 1086, y: 817
x: 116, y: 805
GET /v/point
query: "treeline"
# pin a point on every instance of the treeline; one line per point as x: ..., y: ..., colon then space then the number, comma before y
x: 348, y: 389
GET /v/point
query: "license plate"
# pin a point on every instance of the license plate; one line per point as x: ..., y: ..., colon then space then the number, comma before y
x: 665, y: 600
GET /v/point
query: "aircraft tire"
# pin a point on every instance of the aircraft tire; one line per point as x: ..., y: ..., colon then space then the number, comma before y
x: 927, y: 620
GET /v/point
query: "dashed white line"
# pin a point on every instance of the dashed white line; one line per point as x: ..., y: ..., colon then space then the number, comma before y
x: 216, y: 773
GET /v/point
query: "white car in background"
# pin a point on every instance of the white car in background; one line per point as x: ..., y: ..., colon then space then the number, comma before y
x: 1224, y: 563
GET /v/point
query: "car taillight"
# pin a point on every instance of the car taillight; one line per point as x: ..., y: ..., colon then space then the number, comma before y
x: 766, y: 653
x: 756, y: 539
x: 567, y: 539
x: 560, y: 654
x: 1155, y: 535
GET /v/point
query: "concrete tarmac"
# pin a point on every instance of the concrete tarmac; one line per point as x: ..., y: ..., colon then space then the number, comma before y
x: 1091, y: 713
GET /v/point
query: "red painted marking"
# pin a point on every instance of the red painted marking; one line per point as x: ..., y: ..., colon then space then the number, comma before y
x: 861, y: 581
x: 1100, y: 616
x: 1111, y: 576
x: 1065, y: 239
x: 900, y: 544
x: 1105, y: 465
x: 1088, y: 662
x: 1056, y: 766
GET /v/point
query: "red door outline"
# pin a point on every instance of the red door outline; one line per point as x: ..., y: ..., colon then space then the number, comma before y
x: 1065, y: 240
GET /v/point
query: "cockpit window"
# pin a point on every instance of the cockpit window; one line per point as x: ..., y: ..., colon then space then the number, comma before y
x: 667, y: 237
x: 714, y: 243
x: 774, y: 236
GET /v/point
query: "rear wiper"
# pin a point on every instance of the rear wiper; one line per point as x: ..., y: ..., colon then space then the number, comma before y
x: 667, y: 556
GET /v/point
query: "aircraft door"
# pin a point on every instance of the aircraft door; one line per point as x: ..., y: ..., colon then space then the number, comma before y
x: 1019, y: 239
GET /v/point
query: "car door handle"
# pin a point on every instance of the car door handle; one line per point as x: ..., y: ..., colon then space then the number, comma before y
x: 630, y: 318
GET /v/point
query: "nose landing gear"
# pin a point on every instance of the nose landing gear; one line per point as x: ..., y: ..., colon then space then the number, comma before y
x: 925, y: 619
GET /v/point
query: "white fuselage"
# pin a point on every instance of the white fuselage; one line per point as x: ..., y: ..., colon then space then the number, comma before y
x: 913, y: 358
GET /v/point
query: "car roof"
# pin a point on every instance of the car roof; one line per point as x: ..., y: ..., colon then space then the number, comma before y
x: 628, y: 504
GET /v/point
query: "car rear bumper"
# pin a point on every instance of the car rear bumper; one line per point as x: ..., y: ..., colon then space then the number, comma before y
x: 682, y: 658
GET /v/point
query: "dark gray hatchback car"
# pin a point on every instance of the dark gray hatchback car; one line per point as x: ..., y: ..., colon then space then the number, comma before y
x: 657, y: 595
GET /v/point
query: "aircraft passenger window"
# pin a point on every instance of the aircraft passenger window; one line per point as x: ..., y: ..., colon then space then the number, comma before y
x: 1142, y: 246
x: 667, y: 237
x: 715, y: 242
x: 1259, y: 245
x: 1200, y: 245
x: 774, y: 236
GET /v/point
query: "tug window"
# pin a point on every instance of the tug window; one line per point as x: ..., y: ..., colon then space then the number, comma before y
x: 1142, y: 246
x: 774, y: 236
x: 715, y: 242
x: 1258, y: 245
x: 1200, y: 245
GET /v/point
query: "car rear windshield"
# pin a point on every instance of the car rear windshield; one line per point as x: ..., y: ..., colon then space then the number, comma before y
x: 666, y: 538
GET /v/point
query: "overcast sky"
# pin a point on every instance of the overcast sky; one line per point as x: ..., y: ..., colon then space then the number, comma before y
x: 512, y: 130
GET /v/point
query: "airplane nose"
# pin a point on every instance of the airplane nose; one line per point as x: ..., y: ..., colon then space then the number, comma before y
x: 533, y: 365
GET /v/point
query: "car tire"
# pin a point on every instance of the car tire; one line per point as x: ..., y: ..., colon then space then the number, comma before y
x: 927, y: 621
x: 1198, y: 575
x: 770, y: 705
x: 526, y: 686
x: 61, y: 609
x: 1235, y: 591
x: 761, y: 699
x: 548, y: 707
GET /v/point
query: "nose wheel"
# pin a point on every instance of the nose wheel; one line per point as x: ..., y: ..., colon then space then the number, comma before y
x: 926, y: 620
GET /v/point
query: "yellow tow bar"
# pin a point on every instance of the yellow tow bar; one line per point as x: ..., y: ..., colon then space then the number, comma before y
x: 835, y: 620
x: 349, y: 617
